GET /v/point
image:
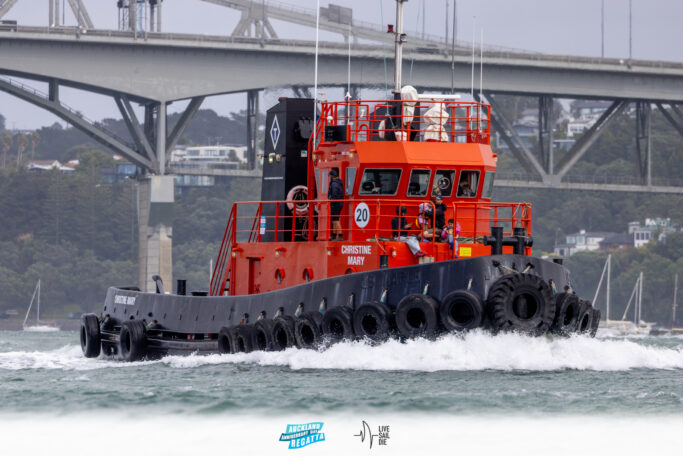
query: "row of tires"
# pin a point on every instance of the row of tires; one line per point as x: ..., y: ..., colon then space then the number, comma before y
x: 515, y: 302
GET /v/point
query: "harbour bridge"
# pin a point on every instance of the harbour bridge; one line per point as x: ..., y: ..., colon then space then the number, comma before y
x: 140, y: 64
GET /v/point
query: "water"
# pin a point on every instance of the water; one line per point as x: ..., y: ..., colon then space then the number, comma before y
x: 621, y: 393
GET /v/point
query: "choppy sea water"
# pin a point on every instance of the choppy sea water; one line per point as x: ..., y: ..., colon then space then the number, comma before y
x: 478, y: 393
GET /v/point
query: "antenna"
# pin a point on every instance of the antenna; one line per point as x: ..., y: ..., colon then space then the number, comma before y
x: 474, y: 23
x: 602, y: 29
x: 453, y: 52
x: 481, y: 64
x: 348, y: 88
x: 400, y: 39
x: 315, y: 77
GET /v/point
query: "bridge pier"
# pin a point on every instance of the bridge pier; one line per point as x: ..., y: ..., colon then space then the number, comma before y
x: 252, y: 126
x: 155, y: 230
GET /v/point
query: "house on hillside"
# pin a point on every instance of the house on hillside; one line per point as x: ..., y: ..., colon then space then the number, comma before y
x: 40, y: 166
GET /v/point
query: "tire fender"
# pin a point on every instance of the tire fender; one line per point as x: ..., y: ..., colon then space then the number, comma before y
x: 417, y: 315
x: 462, y: 310
x: 373, y: 320
x: 521, y: 302
x: 307, y: 330
x: 337, y: 324
x: 282, y: 333
x: 132, y: 340
x: 90, y: 336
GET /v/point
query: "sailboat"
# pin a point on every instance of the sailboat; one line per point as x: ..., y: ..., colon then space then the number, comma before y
x: 623, y: 327
x: 673, y: 331
x: 37, y: 327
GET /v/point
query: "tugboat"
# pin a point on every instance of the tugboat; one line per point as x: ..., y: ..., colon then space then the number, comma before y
x: 375, y: 221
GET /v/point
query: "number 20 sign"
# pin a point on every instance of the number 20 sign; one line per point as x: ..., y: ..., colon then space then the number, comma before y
x: 361, y: 215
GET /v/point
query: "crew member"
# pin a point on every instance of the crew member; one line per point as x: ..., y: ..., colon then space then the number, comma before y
x: 400, y: 227
x: 335, y: 194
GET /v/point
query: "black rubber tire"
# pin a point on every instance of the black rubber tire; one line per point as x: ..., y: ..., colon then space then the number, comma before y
x: 566, y: 314
x: 337, y: 324
x: 263, y: 335
x: 225, y: 341
x: 308, y: 331
x: 417, y: 315
x: 373, y: 320
x: 282, y: 333
x: 521, y: 302
x: 90, y: 336
x: 461, y: 310
x: 132, y: 340
x: 243, y: 337
x: 596, y: 322
x: 585, y: 321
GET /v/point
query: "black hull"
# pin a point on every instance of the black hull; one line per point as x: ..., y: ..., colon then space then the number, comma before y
x: 187, y: 324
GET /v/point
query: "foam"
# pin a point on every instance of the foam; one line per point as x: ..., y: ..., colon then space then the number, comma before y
x: 477, y: 350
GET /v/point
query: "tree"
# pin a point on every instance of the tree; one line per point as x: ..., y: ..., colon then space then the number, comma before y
x: 21, y: 142
x: 6, y: 146
x: 2, y: 122
x: 35, y: 140
x: 94, y: 160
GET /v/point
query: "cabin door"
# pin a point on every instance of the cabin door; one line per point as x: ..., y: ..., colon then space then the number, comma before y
x: 254, y: 275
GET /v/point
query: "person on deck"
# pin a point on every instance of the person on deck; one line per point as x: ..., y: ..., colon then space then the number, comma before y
x: 335, y: 194
x: 400, y: 227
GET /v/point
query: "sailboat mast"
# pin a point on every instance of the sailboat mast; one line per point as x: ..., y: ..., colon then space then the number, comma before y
x: 609, y: 275
x: 38, y: 307
x: 640, y: 298
x: 673, y: 308
x: 28, y: 311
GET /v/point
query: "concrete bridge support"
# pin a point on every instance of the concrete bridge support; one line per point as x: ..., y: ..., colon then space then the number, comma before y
x: 155, y: 236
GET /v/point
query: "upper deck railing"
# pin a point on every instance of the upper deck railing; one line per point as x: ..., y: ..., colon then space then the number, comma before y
x: 403, y: 120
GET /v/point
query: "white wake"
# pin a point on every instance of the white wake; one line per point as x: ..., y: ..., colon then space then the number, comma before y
x: 477, y: 350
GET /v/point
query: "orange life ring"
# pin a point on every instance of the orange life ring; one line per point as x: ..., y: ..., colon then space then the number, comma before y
x: 298, y: 193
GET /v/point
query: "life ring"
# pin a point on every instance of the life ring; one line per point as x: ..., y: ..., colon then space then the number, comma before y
x: 337, y: 324
x: 298, y: 193
x: 282, y: 333
x: 585, y: 321
x: 417, y: 316
x: 243, y: 336
x: 373, y: 320
x: 307, y: 330
x: 521, y: 302
x: 263, y: 335
x: 461, y: 310
x: 132, y: 340
x: 90, y: 336
x: 566, y: 314
x: 225, y: 344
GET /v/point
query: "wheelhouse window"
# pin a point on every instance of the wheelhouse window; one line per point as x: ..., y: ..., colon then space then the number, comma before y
x: 468, y: 184
x: 350, y: 179
x: 380, y: 182
x: 443, y: 181
x: 488, y: 184
x: 418, y: 185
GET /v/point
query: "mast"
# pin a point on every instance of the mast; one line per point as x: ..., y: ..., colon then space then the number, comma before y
x: 609, y: 276
x: 35, y: 290
x: 673, y: 308
x: 400, y: 39
x: 38, y: 307
x: 640, y: 298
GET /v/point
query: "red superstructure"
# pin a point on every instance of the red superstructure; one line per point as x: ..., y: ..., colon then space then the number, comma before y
x: 441, y: 146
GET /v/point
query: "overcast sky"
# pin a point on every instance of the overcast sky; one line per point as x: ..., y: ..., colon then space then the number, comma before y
x: 551, y: 26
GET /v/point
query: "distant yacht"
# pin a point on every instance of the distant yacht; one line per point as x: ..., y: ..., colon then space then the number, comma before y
x: 623, y: 327
x: 37, y: 327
